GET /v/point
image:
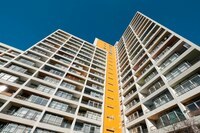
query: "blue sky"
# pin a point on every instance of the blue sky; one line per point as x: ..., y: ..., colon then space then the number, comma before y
x: 25, y: 22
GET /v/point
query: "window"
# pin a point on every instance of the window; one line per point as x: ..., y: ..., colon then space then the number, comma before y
x: 87, y: 128
x: 51, y: 80
x: 61, y: 66
x: 161, y: 100
x: 34, y: 56
x: 93, y: 115
x: 56, y: 72
x: 27, y: 113
x: 8, y: 77
x: 18, y: 68
x: 64, y: 94
x: 69, y: 86
x: 188, y: 85
x: 194, y: 106
x: 45, y: 89
x: 58, y: 105
x: 177, y: 71
x: 25, y: 61
x: 15, y: 128
x: 38, y: 100
x: 53, y: 119
x: 172, y: 117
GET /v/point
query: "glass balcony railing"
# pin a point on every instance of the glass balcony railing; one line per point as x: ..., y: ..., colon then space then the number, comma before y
x: 56, y: 120
x: 188, y: 85
x: 178, y: 70
x: 130, y: 94
x: 92, y: 104
x: 24, y: 113
x: 155, y: 87
x: 162, y: 53
x: 33, y: 99
x: 150, y: 76
x: 169, y: 61
x: 132, y: 103
x: 86, y: 128
x: 135, y: 115
x: 194, y: 108
x: 90, y: 115
x: 170, y: 118
x: 17, y: 128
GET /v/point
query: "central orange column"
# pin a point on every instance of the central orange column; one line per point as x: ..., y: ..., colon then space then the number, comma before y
x: 112, y: 121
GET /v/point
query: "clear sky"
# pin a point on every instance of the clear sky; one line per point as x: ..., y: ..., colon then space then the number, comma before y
x: 25, y: 22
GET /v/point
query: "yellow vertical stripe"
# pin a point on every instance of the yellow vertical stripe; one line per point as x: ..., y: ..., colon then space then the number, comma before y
x: 112, y: 122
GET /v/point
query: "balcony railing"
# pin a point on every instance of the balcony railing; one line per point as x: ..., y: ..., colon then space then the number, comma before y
x: 31, y: 116
x: 188, y: 85
x: 178, y: 70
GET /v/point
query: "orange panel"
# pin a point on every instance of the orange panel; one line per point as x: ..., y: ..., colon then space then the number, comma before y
x: 112, y: 120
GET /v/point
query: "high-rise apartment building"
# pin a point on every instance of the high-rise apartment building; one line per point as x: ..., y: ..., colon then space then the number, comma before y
x: 148, y: 82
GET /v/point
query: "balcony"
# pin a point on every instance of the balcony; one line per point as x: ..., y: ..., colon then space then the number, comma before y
x: 68, y: 85
x: 169, y: 61
x: 53, y: 70
x: 188, y: 84
x: 63, y: 60
x: 23, y: 112
x: 157, y: 101
x: 132, y: 103
x: 128, y: 85
x: 65, y: 55
x: 89, y: 114
x: 12, y: 78
x: 178, y: 70
x: 141, y: 128
x: 130, y: 93
x: 134, y: 115
x: 168, y: 118
x: 77, y: 72
x: 74, y: 78
x: 95, y: 86
x: 193, y: 107
x: 27, y: 96
x: 92, y: 103
x: 93, y: 93
x: 98, y: 80
x: 155, y: 87
x: 143, y: 70
x: 56, y: 120
x: 86, y: 128
x: 55, y: 41
x: 98, y: 68
x: 164, y: 39
x: 65, y: 107
x: 150, y: 76
x: 56, y: 36
x: 40, y: 87
x: 82, y: 62
x: 85, y: 54
x: 21, y: 69
x: 27, y: 62
x: 18, y: 128
x: 50, y: 43
x: 84, y: 58
x: 67, y: 95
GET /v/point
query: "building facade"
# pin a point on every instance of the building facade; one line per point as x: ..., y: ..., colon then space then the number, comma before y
x: 159, y: 79
x: 148, y: 82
